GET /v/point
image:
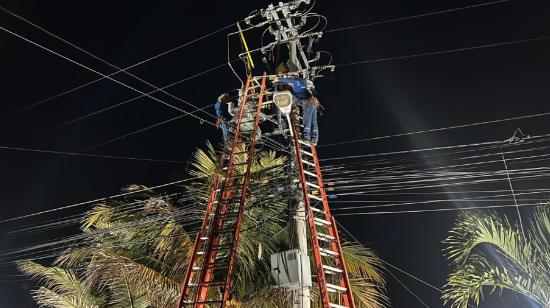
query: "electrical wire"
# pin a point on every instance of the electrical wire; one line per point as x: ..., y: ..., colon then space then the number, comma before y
x: 99, y: 73
x: 94, y: 56
x: 432, y: 53
x: 125, y: 69
x: 531, y: 205
x: 408, y: 290
x: 416, y: 16
x: 96, y: 200
x: 75, y: 241
x: 486, y: 143
x: 389, y: 264
x: 529, y: 116
x: 92, y: 114
x: 20, y: 149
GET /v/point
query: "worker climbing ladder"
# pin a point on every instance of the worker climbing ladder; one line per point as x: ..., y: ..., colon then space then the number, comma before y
x: 328, y: 259
x: 208, y: 279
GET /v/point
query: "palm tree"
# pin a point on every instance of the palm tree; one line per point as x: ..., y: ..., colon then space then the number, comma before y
x: 489, y: 251
x: 137, y: 249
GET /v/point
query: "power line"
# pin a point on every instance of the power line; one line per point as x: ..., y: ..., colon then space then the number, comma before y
x: 343, y: 178
x: 410, y: 151
x: 507, y: 43
x: 95, y: 200
x: 472, y: 199
x: 412, y: 276
x: 529, y: 116
x: 416, y: 16
x: 440, y: 210
x: 387, y: 263
x: 408, y: 290
x: 89, y: 115
x: 99, y: 73
x: 20, y: 149
x: 141, y: 130
x: 487, y: 145
x: 119, y: 70
x: 94, y: 56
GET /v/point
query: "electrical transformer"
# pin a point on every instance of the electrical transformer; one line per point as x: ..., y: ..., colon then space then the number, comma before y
x: 291, y: 270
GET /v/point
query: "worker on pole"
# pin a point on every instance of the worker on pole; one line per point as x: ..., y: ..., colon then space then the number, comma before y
x: 305, y: 96
x: 223, y: 115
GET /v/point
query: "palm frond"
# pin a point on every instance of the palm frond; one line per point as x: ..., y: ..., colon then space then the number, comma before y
x: 489, y: 252
x: 45, y: 297
x: 63, y: 285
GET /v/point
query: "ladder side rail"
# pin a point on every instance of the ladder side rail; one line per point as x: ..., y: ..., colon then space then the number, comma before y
x: 349, y: 300
x: 206, y: 273
x: 333, y: 231
x: 213, y: 241
x: 189, y: 274
x: 244, y: 195
x: 325, y: 299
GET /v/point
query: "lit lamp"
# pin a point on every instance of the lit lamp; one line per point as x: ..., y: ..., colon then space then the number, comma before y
x: 283, y: 101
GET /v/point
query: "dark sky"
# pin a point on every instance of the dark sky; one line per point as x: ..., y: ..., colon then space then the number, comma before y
x: 362, y: 101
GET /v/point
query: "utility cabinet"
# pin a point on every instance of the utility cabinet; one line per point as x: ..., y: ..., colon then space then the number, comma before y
x: 291, y: 270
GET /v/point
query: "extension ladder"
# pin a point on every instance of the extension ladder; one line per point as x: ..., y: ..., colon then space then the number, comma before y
x: 328, y: 259
x: 207, y: 282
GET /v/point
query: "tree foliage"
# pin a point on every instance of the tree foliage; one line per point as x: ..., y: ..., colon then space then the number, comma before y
x: 137, y: 250
x: 491, y: 253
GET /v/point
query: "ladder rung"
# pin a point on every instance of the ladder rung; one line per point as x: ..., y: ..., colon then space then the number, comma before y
x: 322, y: 222
x: 307, y: 153
x: 328, y: 253
x: 232, y: 189
x: 249, y: 121
x: 229, y: 215
x: 235, y: 176
x: 304, y: 142
x: 240, y: 164
x: 335, y: 288
x: 330, y: 269
x: 337, y: 306
x: 204, y: 238
x: 312, y: 185
x: 222, y: 247
x: 317, y: 210
x: 325, y: 237
x: 207, y: 302
x: 225, y: 230
x: 310, y: 173
x: 189, y: 302
x: 314, y: 197
x: 217, y: 265
x: 308, y: 163
x: 212, y: 283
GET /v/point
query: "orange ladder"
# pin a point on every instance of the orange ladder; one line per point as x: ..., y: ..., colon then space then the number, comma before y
x: 208, y: 280
x: 328, y: 259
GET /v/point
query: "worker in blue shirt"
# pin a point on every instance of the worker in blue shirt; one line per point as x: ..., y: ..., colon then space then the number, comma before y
x: 222, y: 114
x: 305, y: 96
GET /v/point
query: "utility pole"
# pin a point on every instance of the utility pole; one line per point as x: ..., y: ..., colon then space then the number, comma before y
x: 303, y: 295
x: 285, y: 27
x: 208, y: 280
x: 287, y: 30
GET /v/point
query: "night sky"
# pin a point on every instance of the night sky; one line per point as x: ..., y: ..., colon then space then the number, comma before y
x: 362, y: 101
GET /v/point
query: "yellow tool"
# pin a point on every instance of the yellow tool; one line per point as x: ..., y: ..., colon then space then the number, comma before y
x: 250, y: 61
